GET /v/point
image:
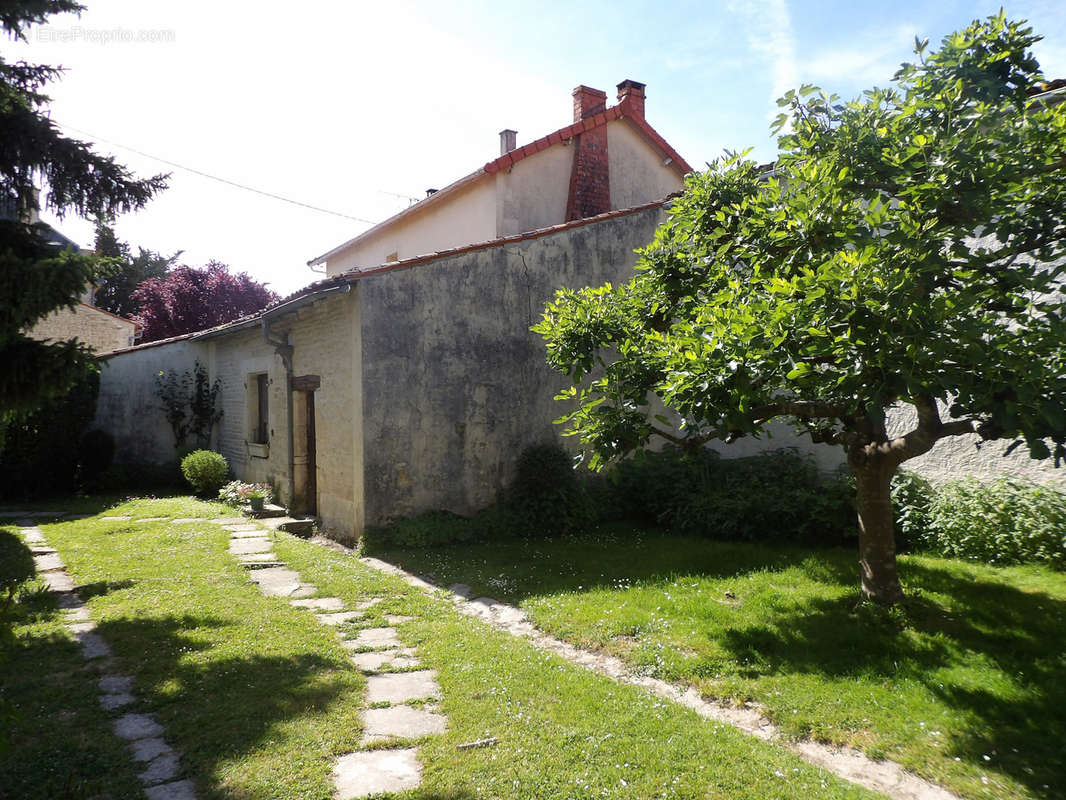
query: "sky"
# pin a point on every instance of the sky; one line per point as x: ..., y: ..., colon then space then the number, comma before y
x: 358, y: 108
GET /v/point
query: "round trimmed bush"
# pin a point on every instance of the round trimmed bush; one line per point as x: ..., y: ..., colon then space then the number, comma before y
x: 206, y: 471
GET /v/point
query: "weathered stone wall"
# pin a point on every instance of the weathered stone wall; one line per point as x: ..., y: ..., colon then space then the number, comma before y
x: 455, y: 384
x: 101, y: 331
x: 128, y: 407
x: 970, y: 457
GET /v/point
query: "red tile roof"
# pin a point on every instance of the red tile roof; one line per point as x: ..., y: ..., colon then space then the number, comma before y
x: 621, y: 111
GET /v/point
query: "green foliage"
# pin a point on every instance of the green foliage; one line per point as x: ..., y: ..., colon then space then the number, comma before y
x: 912, y: 496
x: 41, y: 448
x: 206, y: 471
x: 190, y: 404
x: 1006, y: 522
x: 16, y: 566
x: 777, y: 496
x: 546, y: 497
x: 907, y: 247
x: 125, y: 270
x: 37, y: 274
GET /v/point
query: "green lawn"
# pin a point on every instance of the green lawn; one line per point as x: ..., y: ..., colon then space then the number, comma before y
x: 260, y: 699
x: 965, y: 685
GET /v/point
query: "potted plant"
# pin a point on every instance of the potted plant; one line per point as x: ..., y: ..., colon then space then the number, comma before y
x: 258, y: 494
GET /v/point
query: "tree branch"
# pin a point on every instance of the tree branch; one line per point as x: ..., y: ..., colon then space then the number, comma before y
x: 930, y: 430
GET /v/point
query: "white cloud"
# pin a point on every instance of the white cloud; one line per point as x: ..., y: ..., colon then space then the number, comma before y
x: 869, y: 59
x: 770, y: 36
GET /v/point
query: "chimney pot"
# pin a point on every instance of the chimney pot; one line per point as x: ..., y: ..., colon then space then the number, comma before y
x: 508, y: 141
x: 588, y: 102
x: 633, y: 92
x: 430, y: 192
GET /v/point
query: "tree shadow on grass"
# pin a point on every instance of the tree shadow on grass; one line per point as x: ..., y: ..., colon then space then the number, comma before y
x: 985, y: 628
x: 217, y: 710
x: 514, y: 569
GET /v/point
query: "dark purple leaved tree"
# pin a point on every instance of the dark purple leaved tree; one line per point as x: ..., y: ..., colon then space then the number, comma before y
x: 188, y: 299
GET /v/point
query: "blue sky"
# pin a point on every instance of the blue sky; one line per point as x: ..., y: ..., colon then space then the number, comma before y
x: 357, y: 106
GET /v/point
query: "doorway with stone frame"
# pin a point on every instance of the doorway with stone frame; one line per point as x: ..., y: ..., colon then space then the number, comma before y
x: 304, y: 449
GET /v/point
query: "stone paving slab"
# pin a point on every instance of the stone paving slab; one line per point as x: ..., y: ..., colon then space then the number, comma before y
x: 305, y: 590
x: 385, y: 659
x: 65, y: 597
x: 49, y: 562
x: 81, y: 627
x: 137, y: 726
x: 319, y: 603
x: 378, y: 638
x: 461, y: 589
x: 397, y: 619
x: 93, y: 646
x: 112, y: 701
x: 230, y: 520
x: 258, y: 544
x: 33, y: 536
x: 243, y: 528
x: 42, y: 549
x: 376, y: 772
x: 401, y: 687
x: 277, y: 581
x: 120, y: 518
x: 77, y: 613
x: 176, y: 790
x: 339, y: 617
x: 187, y: 520
x: 147, y: 749
x: 116, y: 684
x: 152, y: 519
x: 58, y: 581
x: 247, y: 559
x: 401, y: 722
x: 253, y: 534
x: 164, y: 767
x: 363, y: 605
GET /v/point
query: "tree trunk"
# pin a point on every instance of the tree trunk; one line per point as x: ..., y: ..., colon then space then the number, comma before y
x: 877, y: 541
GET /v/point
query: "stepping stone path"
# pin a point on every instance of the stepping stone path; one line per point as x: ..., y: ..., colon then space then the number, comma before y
x: 378, y: 652
x: 161, y: 763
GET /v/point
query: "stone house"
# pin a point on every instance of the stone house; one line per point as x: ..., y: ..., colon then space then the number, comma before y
x: 101, y: 330
x: 408, y: 378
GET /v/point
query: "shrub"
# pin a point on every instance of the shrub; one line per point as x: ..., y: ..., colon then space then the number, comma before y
x: 205, y: 470
x: 912, y: 497
x: 546, y: 497
x: 95, y: 453
x: 39, y: 452
x: 1008, y: 521
x: 16, y: 566
x: 777, y: 496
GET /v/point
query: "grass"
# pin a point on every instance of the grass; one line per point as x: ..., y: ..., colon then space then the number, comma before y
x: 964, y: 684
x: 260, y: 699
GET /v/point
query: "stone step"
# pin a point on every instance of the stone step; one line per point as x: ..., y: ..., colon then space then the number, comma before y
x: 269, y: 511
x: 302, y: 527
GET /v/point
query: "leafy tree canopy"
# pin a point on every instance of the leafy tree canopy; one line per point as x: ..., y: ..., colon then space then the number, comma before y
x: 188, y: 299
x: 36, y: 276
x: 123, y: 271
x: 905, y: 248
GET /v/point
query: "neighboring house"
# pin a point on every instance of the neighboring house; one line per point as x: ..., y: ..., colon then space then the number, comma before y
x: 100, y: 330
x: 607, y: 159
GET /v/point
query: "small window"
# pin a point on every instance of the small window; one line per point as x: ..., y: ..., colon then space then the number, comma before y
x: 261, y: 420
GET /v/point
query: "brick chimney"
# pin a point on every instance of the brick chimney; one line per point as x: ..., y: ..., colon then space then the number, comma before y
x: 632, y: 93
x: 588, y: 102
x: 590, y: 188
